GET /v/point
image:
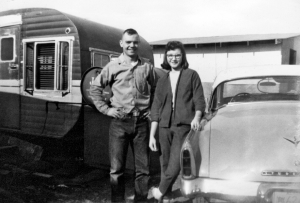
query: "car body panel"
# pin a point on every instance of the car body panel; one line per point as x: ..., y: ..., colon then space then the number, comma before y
x: 247, y: 150
x: 253, y: 137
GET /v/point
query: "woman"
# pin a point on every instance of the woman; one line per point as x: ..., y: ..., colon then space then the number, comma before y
x: 177, y: 108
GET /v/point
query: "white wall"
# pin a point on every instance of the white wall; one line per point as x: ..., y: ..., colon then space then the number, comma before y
x: 287, y: 44
x: 209, y: 62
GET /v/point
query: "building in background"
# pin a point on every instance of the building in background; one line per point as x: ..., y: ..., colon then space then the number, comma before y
x: 210, y: 55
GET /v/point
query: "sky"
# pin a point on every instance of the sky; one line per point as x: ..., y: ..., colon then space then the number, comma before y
x: 166, y: 19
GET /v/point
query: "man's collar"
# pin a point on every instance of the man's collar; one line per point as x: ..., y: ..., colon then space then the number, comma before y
x: 121, y: 59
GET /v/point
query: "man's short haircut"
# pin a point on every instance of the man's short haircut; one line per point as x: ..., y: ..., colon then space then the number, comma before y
x: 131, y: 31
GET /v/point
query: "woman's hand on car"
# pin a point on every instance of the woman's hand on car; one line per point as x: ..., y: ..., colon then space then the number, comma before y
x: 152, y: 144
x: 195, y: 124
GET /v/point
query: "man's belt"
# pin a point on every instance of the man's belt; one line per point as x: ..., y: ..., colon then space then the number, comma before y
x: 137, y: 113
x: 134, y: 113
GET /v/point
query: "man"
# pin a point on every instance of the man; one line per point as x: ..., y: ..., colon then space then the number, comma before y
x: 132, y: 82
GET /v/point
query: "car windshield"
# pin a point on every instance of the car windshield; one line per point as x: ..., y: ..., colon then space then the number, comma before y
x: 256, y: 89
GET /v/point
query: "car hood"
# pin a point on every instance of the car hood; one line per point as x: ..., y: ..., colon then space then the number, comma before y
x: 251, y: 139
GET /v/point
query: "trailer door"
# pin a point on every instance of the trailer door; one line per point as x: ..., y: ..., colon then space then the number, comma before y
x: 9, y: 77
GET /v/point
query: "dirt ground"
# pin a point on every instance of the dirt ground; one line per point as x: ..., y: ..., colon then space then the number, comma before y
x: 92, y: 186
x: 63, y: 180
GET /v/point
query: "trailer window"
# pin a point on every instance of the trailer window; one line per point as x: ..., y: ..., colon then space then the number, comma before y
x: 100, y: 60
x: 113, y: 57
x: 47, y: 66
x: 7, y: 49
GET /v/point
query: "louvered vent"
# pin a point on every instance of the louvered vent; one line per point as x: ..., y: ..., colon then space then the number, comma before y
x: 45, y: 65
x: 29, y: 66
x: 62, y: 77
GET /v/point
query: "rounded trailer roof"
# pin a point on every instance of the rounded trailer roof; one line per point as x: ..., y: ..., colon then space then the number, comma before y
x: 256, y: 71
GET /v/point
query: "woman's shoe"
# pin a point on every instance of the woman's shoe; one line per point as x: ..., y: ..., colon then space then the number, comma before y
x: 167, y: 198
x: 157, y: 194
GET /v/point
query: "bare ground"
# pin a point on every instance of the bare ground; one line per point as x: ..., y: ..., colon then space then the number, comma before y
x: 42, y: 182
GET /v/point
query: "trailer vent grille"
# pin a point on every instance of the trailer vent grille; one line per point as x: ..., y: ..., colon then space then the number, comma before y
x: 45, y: 66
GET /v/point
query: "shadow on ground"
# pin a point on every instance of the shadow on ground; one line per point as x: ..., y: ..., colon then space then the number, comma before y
x: 90, y: 185
x: 58, y: 179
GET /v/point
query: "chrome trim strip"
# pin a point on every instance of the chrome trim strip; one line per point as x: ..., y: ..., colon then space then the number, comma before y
x: 280, y: 173
x: 219, y: 186
x: 42, y: 39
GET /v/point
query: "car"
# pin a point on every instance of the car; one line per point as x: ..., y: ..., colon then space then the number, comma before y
x: 248, y: 148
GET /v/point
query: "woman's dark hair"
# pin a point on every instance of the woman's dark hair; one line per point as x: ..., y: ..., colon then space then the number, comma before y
x: 172, y: 45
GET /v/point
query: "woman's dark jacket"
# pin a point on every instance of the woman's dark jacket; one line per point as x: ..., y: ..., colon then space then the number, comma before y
x: 189, y: 98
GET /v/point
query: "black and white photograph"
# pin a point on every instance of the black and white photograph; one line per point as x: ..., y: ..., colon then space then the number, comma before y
x: 154, y: 101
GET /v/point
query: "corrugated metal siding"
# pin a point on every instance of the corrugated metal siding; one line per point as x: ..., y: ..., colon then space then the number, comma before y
x: 34, y: 118
x: 104, y: 37
x: 49, y: 22
x: 37, y: 23
x: 40, y: 22
x: 54, y: 123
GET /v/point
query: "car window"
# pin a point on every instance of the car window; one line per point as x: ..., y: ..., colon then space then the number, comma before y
x: 256, y: 89
x: 232, y: 88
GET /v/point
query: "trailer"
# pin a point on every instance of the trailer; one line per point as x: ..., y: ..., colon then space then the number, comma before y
x: 44, y: 55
